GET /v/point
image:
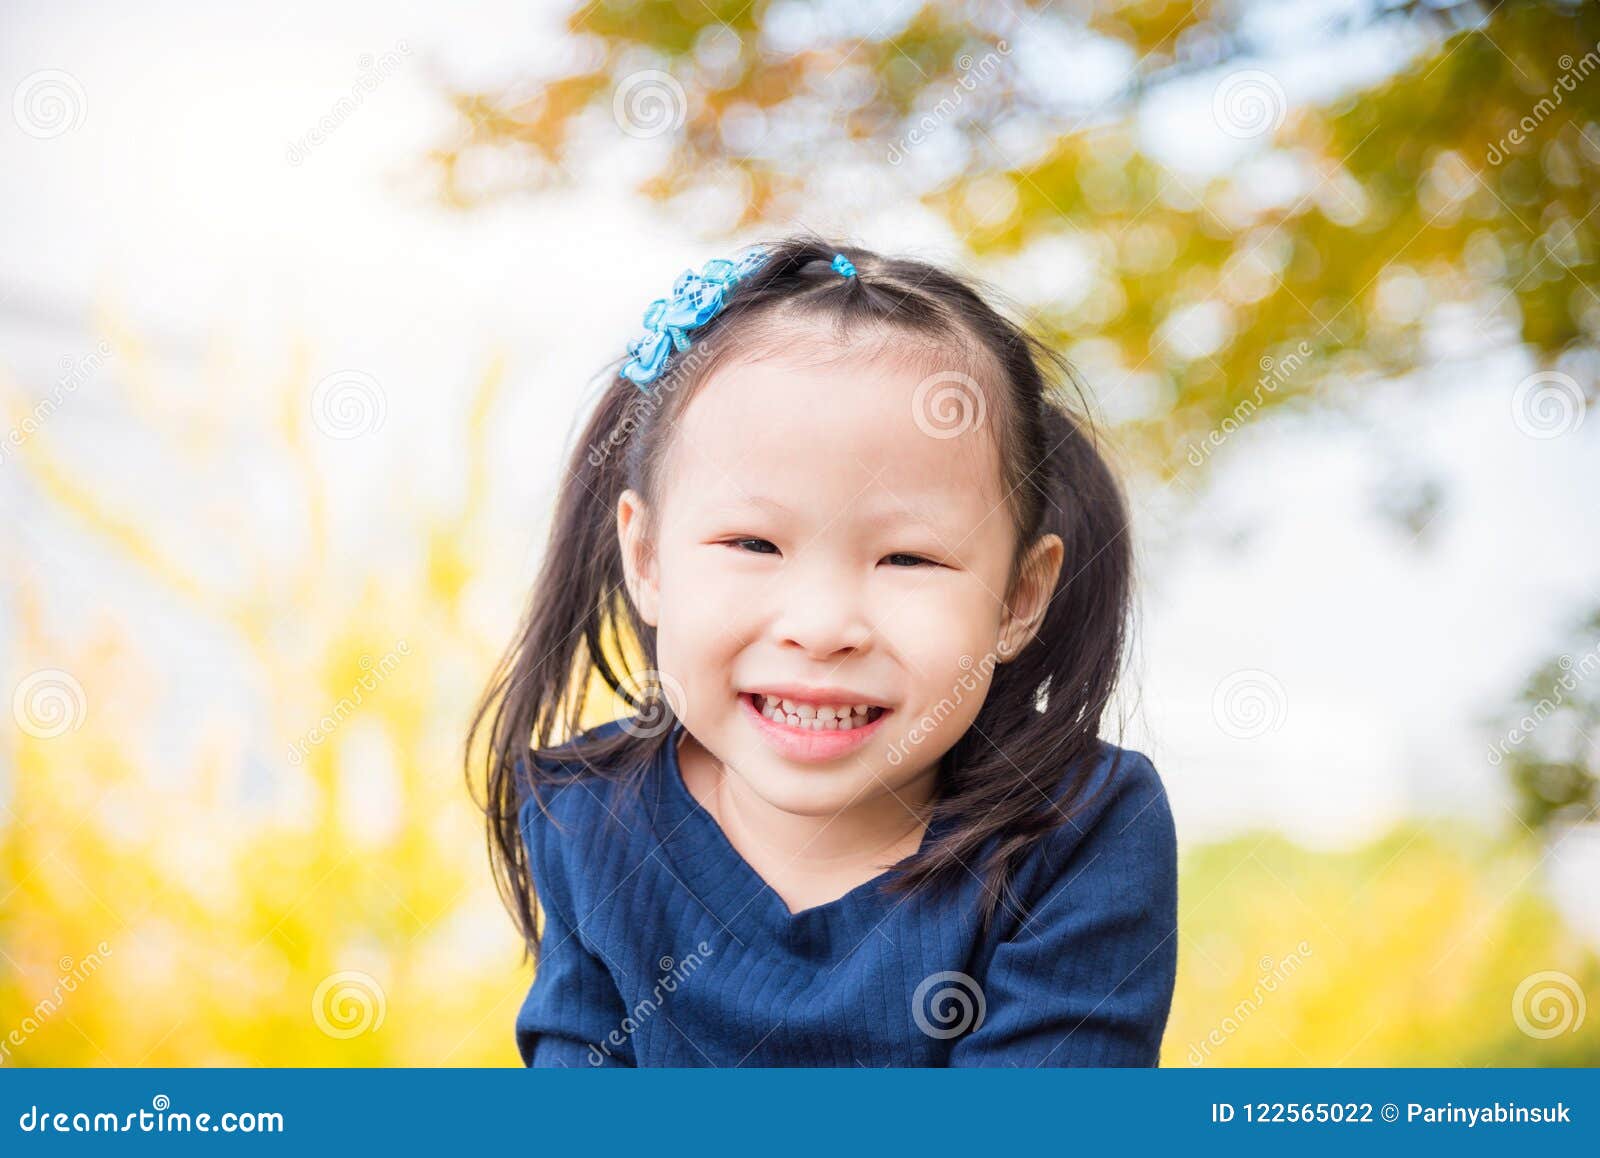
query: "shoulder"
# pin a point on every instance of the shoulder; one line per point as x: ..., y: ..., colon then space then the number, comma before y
x: 1085, y: 975
x: 569, y: 798
x: 1125, y: 791
x: 1116, y: 830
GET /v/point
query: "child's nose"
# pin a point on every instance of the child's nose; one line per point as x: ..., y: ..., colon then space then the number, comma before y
x: 823, y: 619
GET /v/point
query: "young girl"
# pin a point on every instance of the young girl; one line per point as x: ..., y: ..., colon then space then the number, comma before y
x: 863, y: 584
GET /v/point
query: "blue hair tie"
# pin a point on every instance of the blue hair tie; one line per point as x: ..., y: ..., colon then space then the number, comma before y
x: 696, y: 299
x: 842, y: 266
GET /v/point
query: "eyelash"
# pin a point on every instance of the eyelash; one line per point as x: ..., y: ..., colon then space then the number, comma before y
x: 918, y: 560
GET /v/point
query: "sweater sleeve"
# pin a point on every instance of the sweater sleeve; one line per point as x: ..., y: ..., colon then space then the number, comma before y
x: 1087, y: 978
x: 573, y: 1014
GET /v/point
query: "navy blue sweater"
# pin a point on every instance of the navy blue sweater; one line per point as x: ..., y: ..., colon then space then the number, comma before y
x: 661, y: 946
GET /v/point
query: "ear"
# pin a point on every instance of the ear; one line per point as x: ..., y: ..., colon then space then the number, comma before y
x: 638, y: 560
x: 1030, y: 599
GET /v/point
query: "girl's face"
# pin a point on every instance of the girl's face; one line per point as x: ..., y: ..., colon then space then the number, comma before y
x: 822, y: 544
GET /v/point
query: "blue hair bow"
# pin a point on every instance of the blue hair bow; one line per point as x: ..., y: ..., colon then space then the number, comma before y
x: 696, y: 299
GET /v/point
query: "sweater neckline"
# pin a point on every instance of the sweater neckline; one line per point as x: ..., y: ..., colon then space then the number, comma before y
x: 728, y: 885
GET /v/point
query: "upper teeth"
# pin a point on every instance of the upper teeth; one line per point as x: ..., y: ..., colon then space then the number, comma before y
x: 817, y: 717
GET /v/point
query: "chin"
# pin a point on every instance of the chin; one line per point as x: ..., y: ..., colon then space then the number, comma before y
x: 809, y: 790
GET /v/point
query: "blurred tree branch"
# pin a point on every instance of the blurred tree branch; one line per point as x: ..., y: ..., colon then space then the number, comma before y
x: 1464, y: 182
x: 1551, y: 748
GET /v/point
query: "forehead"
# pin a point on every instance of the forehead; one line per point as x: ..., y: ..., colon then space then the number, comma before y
x: 849, y: 431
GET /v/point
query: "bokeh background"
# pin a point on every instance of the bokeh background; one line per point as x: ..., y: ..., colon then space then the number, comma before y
x: 299, y: 305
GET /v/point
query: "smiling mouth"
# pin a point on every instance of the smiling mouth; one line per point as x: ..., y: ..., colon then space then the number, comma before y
x: 815, y: 717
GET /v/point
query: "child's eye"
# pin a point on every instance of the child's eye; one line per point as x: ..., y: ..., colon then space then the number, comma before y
x: 754, y: 546
x: 904, y: 560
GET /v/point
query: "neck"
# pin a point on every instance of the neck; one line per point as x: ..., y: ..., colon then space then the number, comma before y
x: 876, y: 828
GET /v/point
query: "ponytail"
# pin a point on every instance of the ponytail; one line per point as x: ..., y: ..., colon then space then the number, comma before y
x: 1043, y: 713
x: 578, y: 609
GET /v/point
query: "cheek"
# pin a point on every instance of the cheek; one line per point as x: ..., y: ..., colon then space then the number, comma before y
x: 697, y: 630
x: 946, y: 637
x: 698, y: 588
x: 938, y: 623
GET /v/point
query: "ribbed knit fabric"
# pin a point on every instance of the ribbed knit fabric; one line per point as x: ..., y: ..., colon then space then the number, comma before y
x: 662, y: 947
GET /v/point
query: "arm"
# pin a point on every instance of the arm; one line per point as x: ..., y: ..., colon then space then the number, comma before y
x: 1087, y: 977
x: 573, y: 1007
